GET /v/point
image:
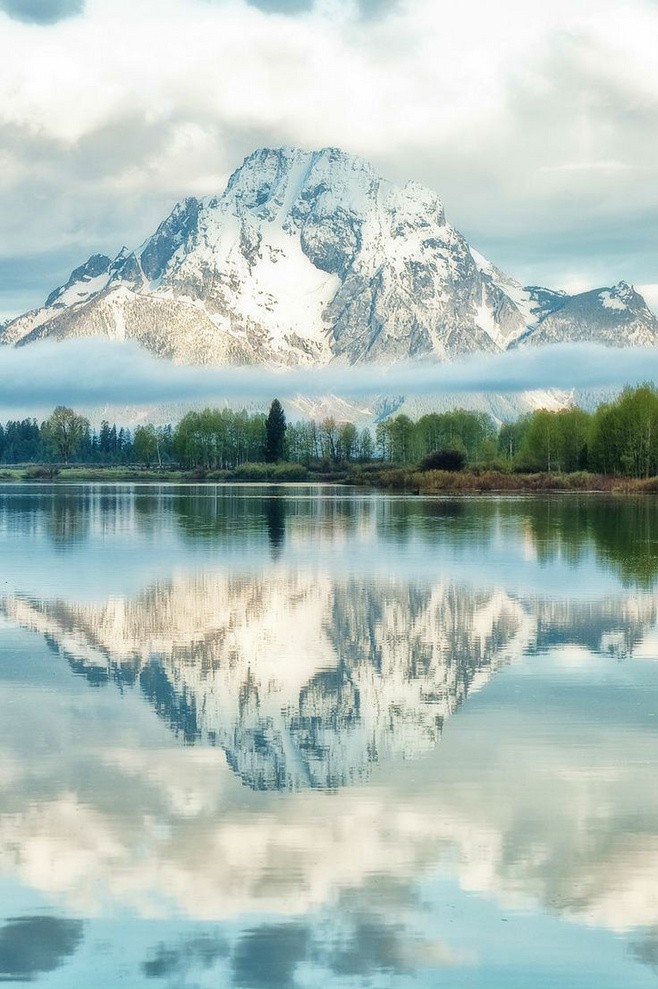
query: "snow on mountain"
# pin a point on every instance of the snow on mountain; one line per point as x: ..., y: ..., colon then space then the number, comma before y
x: 305, y: 258
x: 309, y: 258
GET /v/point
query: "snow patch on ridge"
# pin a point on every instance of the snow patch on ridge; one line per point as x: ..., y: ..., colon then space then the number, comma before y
x: 611, y: 302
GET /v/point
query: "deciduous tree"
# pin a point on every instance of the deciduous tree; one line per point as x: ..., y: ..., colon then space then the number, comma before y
x: 65, y: 430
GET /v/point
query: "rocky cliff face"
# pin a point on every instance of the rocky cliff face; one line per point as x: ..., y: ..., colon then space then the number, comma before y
x: 309, y: 258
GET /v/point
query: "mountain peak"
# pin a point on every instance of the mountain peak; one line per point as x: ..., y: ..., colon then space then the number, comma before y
x: 621, y: 295
x: 82, y: 282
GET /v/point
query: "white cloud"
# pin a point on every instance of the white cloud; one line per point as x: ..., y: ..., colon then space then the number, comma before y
x: 650, y: 293
x: 536, y: 125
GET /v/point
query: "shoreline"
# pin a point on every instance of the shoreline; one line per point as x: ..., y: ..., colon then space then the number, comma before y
x: 399, y: 480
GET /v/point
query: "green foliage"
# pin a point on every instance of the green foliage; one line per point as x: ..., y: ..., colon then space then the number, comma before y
x: 555, y: 441
x: 511, y: 437
x: 303, y: 442
x: 219, y: 439
x: 619, y: 439
x: 624, y: 436
x: 21, y: 442
x: 289, y: 472
x: 404, y: 442
x: 40, y: 473
x: 66, y: 431
x: 329, y: 439
x: 366, y: 446
x: 146, y: 445
x: 347, y: 442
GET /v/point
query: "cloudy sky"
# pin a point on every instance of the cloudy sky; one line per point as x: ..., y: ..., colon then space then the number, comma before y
x: 535, y: 122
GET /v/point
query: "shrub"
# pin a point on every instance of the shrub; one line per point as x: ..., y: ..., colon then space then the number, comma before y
x: 289, y: 472
x: 40, y: 473
x: 452, y: 460
x: 252, y: 472
x: 649, y: 484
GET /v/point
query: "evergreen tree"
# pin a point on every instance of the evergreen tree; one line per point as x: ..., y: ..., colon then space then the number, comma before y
x: 275, y: 432
x: 104, y: 441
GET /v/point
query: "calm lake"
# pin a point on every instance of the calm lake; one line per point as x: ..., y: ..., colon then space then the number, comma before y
x: 307, y: 736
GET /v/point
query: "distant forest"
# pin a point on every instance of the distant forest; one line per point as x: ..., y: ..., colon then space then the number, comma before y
x: 619, y: 438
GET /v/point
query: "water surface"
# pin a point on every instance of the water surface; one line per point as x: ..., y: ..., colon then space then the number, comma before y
x: 305, y: 736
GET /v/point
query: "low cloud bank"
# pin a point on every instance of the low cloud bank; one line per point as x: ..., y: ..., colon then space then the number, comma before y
x: 102, y: 372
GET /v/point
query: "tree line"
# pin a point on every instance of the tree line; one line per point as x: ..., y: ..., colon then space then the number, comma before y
x: 64, y: 436
x: 620, y: 437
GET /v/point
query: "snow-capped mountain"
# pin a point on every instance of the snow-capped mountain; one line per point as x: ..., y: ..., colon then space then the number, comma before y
x: 311, y: 257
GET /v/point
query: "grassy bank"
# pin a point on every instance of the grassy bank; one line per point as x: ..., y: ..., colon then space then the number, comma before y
x: 265, y: 473
x: 479, y: 482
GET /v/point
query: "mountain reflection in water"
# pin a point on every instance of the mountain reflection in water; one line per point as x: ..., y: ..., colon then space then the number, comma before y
x: 303, y: 681
x: 307, y: 681
x: 183, y: 670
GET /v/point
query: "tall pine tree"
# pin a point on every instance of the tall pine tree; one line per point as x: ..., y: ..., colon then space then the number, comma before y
x: 275, y: 432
